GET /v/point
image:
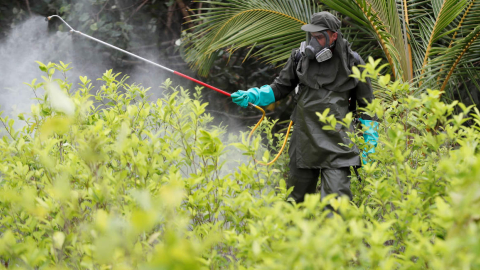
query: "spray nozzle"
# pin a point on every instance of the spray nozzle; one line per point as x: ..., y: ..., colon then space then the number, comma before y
x: 50, y: 17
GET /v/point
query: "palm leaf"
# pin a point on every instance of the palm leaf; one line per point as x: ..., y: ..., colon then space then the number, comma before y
x: 468, y: 43
x: 272, y: 26
x: 453, y: 64
x: 361, y: 39
x: 470, y: 17
x: 388, y: 12
x: 406, y: 37
x: 444, y: 11
x: 471, y: 21
x: 434, y: 41
x: 370, y: 14
x: 419, y: 19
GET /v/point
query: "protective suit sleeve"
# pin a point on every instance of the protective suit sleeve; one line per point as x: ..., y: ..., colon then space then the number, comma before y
x: 370, y: 136
x: 364, y: 94
x: 259, y: 96
x: 287, y: 80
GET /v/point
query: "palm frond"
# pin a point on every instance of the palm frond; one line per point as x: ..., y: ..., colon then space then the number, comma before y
x: 471, y: 21
x: 388, y: 11
x: 465, y: 45
x: 406, y: 38
x: 445, y: 11
x: 361, y: 39
x: 421, y: 19
x: 399, y: 40
x: 435, y: 42
x: 452, y: 63
x: 272, y: 26
x: 465, y: 14
x: 369, y: 15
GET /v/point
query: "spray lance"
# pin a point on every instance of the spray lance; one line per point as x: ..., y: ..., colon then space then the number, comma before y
x: 186, y: 77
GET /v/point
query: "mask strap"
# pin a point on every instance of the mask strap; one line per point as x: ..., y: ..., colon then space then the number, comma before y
x: 327, y: 38
x: 334, y: 42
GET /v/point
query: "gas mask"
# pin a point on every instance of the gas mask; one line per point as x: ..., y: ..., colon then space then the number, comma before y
x: 316, y: 51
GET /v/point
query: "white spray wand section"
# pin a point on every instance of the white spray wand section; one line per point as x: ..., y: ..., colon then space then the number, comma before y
x: 109, y: 45
x: 141, y: 58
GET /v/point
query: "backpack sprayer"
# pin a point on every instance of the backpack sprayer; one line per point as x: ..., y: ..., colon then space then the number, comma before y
x: 186, y: 77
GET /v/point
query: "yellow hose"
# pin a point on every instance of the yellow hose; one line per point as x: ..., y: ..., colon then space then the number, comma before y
x: 284, y: 141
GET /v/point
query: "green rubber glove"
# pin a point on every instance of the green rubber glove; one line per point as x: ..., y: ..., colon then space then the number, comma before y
x: 370, y: 136
x: 259, y: 96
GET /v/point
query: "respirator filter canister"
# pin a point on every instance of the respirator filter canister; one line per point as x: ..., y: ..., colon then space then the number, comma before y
x: 314, y: 50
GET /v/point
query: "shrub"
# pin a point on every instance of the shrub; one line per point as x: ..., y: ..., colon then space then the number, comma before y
x: 113, y: 180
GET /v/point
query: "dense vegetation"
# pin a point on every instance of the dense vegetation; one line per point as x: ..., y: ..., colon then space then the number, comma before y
x: 125, y: 183
x: 100, y: 176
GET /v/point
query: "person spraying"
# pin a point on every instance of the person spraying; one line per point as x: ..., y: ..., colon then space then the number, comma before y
x: 321, y: 71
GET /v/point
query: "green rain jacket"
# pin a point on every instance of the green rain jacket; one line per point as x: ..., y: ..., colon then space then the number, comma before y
x: 321, y: 86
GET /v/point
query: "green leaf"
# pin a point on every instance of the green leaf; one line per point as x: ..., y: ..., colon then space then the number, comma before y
x: 94, y: 27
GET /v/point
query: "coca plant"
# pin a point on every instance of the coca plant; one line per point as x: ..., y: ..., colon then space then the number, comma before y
x: 115, y: 180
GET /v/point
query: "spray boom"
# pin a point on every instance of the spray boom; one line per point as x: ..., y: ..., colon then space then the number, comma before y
x: 181, y: 75
x: 141, y: 58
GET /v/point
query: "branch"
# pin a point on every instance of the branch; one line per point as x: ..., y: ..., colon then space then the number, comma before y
x: 9, y: 133
x: 137, y: 9
x: 186, y: 16
x: 103, y: 7
x: 170, y: 16
x: 122, y: 14
x: 28, y: 7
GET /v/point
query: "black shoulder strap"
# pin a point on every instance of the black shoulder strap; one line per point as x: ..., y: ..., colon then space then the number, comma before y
x: 356, y: 56
x: 299, y: 52
x: 298, y: 55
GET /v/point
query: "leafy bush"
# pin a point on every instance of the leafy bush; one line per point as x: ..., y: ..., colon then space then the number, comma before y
x: 113, y: 180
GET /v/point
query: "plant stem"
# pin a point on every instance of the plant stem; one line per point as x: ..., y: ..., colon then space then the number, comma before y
x: 1, y: 119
